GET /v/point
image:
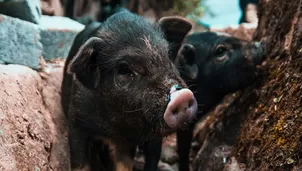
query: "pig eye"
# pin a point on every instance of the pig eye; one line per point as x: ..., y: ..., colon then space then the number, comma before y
x: 220, y: 54
x: 123, y: 69
x: 220, y: 50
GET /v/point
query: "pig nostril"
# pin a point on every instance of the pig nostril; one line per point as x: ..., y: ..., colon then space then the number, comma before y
x: 191, y: 102
x: 175, y: 111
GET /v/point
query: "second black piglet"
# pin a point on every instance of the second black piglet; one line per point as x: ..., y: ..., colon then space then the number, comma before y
x: 212, y: 65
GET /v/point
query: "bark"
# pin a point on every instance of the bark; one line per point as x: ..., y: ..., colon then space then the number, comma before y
x: 271, y: 135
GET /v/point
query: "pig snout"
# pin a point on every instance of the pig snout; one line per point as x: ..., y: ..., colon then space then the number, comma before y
x: 256, y: 53
x: 181, y: 107
x: 259, y: 54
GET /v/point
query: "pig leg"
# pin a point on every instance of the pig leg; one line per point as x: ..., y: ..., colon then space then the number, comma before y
x: 184, y: 139
x: 105, y: 156
x: 182, y: 106
x: 152, y: 152
x: 124, y: 158
x: 78, y: 146
x: 97, y: 162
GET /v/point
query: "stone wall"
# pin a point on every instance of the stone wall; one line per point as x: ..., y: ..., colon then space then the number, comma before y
x: 33, y: 132
x: 26, y: 35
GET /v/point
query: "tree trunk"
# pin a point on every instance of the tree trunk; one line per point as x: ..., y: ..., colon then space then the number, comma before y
x: 261, y: 129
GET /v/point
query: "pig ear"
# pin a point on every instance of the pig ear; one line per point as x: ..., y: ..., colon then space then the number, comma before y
x: 175, y: 29
x: 187, y: 51
x: 84, y: 64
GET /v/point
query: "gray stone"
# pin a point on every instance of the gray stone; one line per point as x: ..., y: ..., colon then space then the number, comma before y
x: 28, y: 10
x: 20, y: 42
x: 57, y: 35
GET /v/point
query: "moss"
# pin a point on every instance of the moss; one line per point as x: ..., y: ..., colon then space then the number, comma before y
x: 279, y: 117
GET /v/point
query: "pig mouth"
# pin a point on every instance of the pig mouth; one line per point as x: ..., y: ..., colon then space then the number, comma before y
x: 168, y: 131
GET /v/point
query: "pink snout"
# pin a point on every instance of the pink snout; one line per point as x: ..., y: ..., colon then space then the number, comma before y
x: 181, y: 108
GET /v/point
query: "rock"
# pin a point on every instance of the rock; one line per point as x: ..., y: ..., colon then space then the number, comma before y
x: 57, y: 35
x: 169, y: 154
x: 25, y: 135
x: 52, y: 74
x: 33, y: 132
x: 52, y: 7
x: 164, y: 166
x: 243, y: 31
x: 140, y: 162
x: 28, y: 10
x: 212, y: 156
x: 175, y: 167
x: 233, y: 165
x: 20, y: 42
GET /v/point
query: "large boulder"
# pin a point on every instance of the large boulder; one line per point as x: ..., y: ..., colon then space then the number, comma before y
x: 52, y: 74
x: 28, y: 10
x: 20, y: 42
x: 25, y: 134
x: 33, y: 133
x: 24, y: 43
x: 57, y: 35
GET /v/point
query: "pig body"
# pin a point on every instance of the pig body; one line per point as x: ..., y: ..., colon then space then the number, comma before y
x: 212, y: 65
x: 120, y: 89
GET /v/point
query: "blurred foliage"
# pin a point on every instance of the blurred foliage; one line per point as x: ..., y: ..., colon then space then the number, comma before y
x: 193, y: 9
